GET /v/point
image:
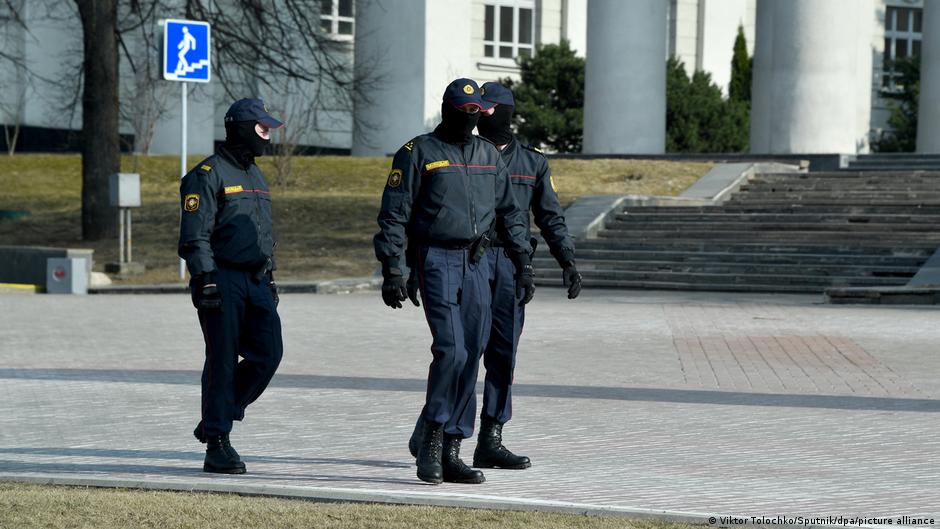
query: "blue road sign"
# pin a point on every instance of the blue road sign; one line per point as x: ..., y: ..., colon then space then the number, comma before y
x: 186, y: 51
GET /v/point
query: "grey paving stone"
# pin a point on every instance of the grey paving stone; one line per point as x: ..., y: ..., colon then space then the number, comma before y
x: 679, y: 404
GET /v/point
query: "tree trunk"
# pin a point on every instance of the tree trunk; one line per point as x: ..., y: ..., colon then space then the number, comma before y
x: 101, y: 155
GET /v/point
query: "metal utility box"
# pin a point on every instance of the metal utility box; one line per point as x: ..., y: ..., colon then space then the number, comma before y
x: 66, y: 275
x: 125, y: 190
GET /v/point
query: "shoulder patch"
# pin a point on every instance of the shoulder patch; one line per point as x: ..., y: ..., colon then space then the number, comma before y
x: 206, y: 167
x: 394, y: 178
x: 191, y: 202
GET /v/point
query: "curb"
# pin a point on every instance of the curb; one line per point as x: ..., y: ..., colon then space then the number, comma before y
x: 335, y: 286
x: 340, y: 495
x: 390, y: 497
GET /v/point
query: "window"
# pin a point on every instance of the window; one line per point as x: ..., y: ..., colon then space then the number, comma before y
x: 509, y: 30
x: 903, y: 27
x: 336, y: 17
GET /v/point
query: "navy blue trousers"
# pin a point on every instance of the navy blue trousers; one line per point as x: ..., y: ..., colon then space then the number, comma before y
x: 499, y: 357
x: 247, y: 326
x: 456, y: 298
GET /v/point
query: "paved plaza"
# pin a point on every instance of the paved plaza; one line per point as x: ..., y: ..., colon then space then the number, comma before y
x: 689, y: 404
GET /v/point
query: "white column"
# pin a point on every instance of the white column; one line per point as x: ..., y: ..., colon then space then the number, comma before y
x: 625, y: 77
x: 812, y: 76
x: 389, y: 55
x: 761, y: 78
x: 928, y: 117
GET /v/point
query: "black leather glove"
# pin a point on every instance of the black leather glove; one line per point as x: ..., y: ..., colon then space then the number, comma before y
x: 412, y: 287
x: 206, y: 295
x: 525, y: 278
x: 394, y: 290
x: 273, y: 286
x: 571, y: 279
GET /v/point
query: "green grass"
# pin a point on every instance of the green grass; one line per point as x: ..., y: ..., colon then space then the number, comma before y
x: 36, y: 506
x: 324, y: 212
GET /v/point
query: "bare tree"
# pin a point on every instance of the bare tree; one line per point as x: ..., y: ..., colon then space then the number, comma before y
x: 145, y: 98
x: 13, y: 118
x: 258, y: 46
x: 296, y: 104
x: 262, y: 44
x: 101, y: 155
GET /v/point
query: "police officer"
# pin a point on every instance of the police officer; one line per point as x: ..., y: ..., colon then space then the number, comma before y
x: 227, y: 241
x: 444, y: 193
x: 533, y: 188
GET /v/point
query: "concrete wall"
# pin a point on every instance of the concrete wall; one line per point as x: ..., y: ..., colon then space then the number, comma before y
x: 396, y: 110
x: 719, y: 21
x: 574, y: 24
x: 447, y: 53
x: 683, y: 30
x: 625, y: 78
x: 53, y: 52
x: 201, y: 121
x: 812, y: 77
x: 928, y: 119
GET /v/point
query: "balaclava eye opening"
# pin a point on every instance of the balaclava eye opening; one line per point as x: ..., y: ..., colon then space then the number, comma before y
x: 497, y: 127
x: 456, y: 126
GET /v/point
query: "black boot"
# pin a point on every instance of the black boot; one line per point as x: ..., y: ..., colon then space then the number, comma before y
x: 200, y: 436
x: 416, y: 435
x: 429, y: 454
x: 220, y: 460
x: 490, y: 452
x: 455, y: 470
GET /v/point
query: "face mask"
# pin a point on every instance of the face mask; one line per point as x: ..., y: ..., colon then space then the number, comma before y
x: 456, y: 126
x: 497, y: 127
x: 241, y: 138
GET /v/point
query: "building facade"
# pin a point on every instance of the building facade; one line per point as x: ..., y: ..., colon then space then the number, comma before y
x: 809, y: 55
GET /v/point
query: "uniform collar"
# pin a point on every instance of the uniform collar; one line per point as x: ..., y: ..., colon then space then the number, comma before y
x: 231, y: 158
x: 510, y: 149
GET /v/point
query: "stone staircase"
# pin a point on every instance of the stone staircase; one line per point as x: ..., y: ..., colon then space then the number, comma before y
x: 894, y: 162
x: 788, y: 232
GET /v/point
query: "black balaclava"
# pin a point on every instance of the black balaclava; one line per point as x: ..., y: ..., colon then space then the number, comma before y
x: 456, y: 126
x: 243, y: 142
x: 497, y: 127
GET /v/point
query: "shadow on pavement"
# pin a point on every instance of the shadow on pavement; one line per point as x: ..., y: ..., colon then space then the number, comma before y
x: 678, y: 396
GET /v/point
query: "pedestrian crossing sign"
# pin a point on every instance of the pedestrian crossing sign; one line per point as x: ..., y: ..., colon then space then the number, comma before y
x: 186, y: 51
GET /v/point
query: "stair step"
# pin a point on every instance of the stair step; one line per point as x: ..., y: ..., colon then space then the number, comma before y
x: 804, y: 227
x: 779, y: 258
x: 737, y: 278
x: 797, y: 269
x: 771, y: 218
x: 735, y: 247
x: 762, y: 237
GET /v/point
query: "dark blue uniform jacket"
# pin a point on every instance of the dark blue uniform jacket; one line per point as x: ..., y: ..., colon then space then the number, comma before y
x: 445, y: 194
x: 226, y: 216
x: 534, y: 189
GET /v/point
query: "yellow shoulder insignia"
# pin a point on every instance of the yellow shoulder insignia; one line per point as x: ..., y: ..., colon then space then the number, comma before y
x: 532, y: 148
x: 206, y: 167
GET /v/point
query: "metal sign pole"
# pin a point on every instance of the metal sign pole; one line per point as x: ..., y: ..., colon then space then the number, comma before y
x: 183, y: 159
x: 121, y: 235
